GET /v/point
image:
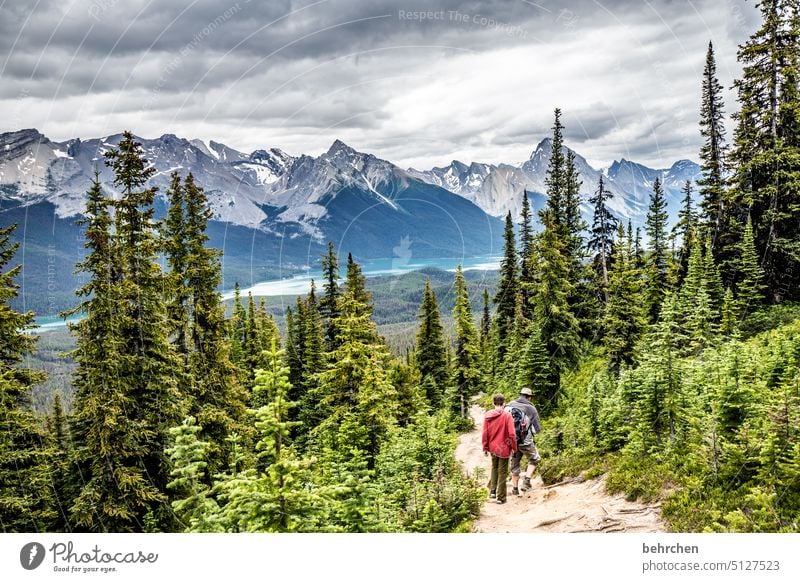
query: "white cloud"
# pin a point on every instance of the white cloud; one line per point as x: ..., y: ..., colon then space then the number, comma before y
x: 625, y: 74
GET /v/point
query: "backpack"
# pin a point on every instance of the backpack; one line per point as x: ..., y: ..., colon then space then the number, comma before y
x: 520, y: 423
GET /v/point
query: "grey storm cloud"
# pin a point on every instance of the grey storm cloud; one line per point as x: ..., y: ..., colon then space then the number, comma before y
x: 419, y: 82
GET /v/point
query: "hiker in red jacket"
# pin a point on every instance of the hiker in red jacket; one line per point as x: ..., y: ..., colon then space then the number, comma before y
x: 500, y: 440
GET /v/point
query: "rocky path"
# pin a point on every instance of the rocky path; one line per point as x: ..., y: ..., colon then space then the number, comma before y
x: 573, y: 506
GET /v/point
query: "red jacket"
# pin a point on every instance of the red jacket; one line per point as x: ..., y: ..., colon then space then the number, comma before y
x: 499, y: 437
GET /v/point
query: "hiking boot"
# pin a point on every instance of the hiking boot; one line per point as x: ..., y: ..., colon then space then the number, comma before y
x: 526, y: 483
x: 500, y: 501
x: 515, y: 491
x: 492, y: 494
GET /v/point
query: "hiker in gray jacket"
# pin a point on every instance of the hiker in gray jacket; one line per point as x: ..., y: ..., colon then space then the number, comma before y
x: 527, y: 447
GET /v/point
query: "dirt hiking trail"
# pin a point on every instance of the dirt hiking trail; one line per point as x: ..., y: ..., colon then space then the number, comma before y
x: 572, y: 506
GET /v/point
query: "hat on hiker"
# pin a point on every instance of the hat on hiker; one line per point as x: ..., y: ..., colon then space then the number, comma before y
x: 526, y: 392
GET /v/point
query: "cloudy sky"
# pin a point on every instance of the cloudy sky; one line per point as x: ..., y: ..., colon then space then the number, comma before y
x: 470, y: 80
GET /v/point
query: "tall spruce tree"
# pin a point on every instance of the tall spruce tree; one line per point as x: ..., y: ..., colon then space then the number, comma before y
x: 176, y: 248
x: 662, y: 404
x: 26, y: 504
x: 583, y: 301
x: 766, y: 152
x: 107, y: 439
x: 573, y: 224
x: 625, y: 319
x: 313, y: 345
x: 685, y: 229
x: 353, y: 399
x: 506, y: 289
x: 356, y: 284
x: 656, y: 258
x: 431, y: 356
x: 466, y: 374
x: 750, y: 290
x: 559, y: 326
x: 328, y: 303
x: 236, y: 326
x: 713, y: 156
x: 143, y: 399
x: 526, y: 247
x: 534, y: 365
x: 194, y: 506
x: 63, y: 486
x: 277, y: 496
x: 601, y: 239
x: 486, y: 341
x: 714, y: 287
x: 217, y: 399
x: 556, y: 177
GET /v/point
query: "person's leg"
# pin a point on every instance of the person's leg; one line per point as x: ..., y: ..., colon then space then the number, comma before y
x: 502, y: 469
x: 533, y: 459
x: 515, y: 459
x: 494, y: 476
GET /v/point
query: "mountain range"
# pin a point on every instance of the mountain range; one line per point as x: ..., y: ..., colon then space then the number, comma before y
x: 273, y: 212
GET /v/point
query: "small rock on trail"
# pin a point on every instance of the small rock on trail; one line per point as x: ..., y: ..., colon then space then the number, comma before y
x: 568, y: 507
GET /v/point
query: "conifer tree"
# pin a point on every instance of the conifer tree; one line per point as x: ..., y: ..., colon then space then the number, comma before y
x: 534, y: 365
x: 194, y: 506
x: 656, y: 267
x: 486, y: 341
x: 510, y: 370
x: 559, y: 326
x: 466, y: 373
x: 236, y: 327
x: 625, y: 319
x: 693, y: 282
x: 734, y: 395
x: 728, y: 323
x: 430, y: 354
x: 217, y: 398
x: 294, y: 350
x: 766, y: 152
x: 506, y: 289
x: 25, y: 502
x: 313, y: 346
x: 663, y: 407
x: 356, y: 285
x: 638, y: 251
x: 556, y: 178
x: 63, y: 486
x: 107, y: 441
x: 175, y: 245
x: 252, y: 347
x: 353, y: 398
x: 583, y: 301
x: 328, y: 303
x: 573, y: 224
x: 486, y: 323
x: 601, y: 238
x: 526, y: 248
x: 750, y: 290
x: 266, y: 326
x: 713, y: 280
x: 700, y: 322
x: 712, y: 156
x: 143, y: 400
x: 277, y: 498
x: 685, y: 229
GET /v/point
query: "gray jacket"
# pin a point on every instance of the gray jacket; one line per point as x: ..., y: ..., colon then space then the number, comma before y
x: 530, y: 412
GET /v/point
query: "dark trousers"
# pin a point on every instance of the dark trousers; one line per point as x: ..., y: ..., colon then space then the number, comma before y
x: 497, y: 480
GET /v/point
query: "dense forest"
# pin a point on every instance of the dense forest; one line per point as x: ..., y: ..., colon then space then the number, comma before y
x: 668, y: 359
